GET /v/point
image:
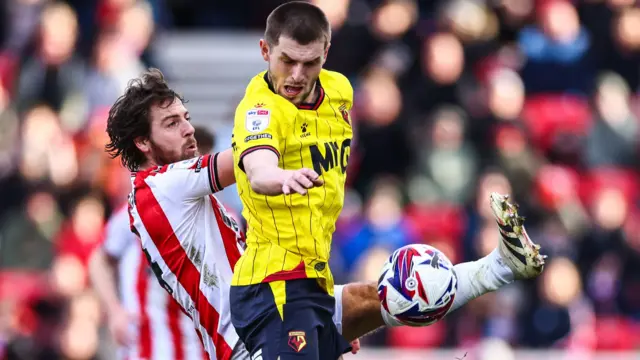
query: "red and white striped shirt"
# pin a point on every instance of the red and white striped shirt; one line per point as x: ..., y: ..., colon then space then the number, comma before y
x: 183, y: 229
x: 163, y: 331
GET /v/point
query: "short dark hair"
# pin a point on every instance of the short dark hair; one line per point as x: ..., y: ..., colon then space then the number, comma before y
x: 205, y: 138
x: 301, y: 21
x: 129, y: 116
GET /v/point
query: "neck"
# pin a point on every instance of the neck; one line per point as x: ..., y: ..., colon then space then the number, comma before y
x: 147, y: 165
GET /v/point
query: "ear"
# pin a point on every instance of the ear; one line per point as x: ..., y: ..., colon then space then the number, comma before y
x: 326, y: 53
x: 142, y: 143
x: 264, y: 49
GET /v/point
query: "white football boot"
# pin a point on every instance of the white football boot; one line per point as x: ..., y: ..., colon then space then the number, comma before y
x: 516, y: 248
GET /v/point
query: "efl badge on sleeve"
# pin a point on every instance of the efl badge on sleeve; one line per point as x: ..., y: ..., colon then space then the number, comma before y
x: 257, y: 120
x: 297, y: 340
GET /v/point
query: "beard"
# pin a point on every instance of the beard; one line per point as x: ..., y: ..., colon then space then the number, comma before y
x: 162, y: 157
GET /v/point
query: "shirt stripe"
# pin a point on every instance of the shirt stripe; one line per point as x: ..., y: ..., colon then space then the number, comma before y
x: 174, y: 312
x: 144, y: 330
x: 165, y: 240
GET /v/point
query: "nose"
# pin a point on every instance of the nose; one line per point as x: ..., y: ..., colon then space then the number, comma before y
x: 297, y: 73
x: 188, y: 129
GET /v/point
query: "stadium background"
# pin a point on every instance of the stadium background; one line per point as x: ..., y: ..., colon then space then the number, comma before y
x: 454, y: 99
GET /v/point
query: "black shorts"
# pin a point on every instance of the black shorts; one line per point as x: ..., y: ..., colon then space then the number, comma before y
x: 301, y: 329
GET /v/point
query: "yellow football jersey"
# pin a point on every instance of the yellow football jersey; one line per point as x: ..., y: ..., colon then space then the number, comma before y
x: 289, y: 236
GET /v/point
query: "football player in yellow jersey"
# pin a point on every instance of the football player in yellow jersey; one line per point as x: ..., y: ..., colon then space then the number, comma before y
x: 291, y: 143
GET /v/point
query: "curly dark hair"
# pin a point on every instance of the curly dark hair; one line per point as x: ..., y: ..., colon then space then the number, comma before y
x: 129, y: 116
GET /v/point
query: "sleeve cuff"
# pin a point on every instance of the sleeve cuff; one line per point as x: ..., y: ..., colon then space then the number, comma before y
x: 214, y: 179
x: 256, y: 148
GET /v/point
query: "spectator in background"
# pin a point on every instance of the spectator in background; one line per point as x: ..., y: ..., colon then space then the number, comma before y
x: 28, y: 233
x: 613, y: 138
x: 448, y: 162
x: 384, y: 227
x: 556, y: 48
x: 54, y: 73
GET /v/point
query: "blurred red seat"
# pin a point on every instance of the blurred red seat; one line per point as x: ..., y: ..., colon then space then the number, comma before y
x: 599, y: 179
x: 555, y: 185
x: 547, y: 116
x: 8, y: 69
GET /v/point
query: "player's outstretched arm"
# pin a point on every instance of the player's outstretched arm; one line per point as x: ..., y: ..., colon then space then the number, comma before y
x: 266, y: 178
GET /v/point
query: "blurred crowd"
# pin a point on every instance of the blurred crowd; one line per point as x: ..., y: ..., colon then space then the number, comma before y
x: 454, y: 99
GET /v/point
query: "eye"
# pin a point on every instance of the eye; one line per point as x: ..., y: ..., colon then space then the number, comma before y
x: 287, y: 61
x: 173, y: 123
x: 312, y: 63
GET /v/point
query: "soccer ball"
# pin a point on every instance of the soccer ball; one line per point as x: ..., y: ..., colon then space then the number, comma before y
x: 417, y: 285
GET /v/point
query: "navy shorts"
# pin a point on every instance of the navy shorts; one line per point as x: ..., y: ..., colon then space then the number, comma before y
x: 301, y: 329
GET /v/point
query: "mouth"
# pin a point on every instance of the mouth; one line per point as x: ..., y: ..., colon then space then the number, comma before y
x: 192, y: 146
x: 292, y: 91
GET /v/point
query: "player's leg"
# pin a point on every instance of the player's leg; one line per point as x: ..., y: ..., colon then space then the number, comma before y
x: 515, y: 258
x: 361, y: 311
x: 308, y: 325
x: 255, y: 317
x: 357, y: 309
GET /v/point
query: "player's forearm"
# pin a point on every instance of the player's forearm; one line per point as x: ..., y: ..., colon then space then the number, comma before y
x: 224, y: 167
x: 101, y: 273
x: 267, y: 180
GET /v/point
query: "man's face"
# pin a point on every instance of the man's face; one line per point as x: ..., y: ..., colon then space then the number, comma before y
x: 294, y: 68
x: 171, y: 139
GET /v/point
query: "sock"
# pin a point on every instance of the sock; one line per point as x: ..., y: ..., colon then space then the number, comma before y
x: 479, y: 277
x: 389, y: 320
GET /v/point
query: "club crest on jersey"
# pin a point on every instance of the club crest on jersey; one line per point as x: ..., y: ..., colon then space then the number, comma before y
x: 257, y: 120
x: 344, y: 112
x: 297, y: 340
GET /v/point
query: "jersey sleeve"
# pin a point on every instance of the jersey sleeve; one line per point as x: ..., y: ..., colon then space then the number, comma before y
x: 255, y: 128
x: 118, y: 235
x: 189, y: 179
x: 348, y: 90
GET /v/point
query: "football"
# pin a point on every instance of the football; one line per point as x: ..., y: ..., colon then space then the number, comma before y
x: 417, y: 285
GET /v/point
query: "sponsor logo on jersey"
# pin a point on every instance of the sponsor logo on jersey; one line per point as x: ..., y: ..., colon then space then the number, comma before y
x: 305, y: 133
x: 335, y: 155
x: 199, y: 164
x: 257, y: 137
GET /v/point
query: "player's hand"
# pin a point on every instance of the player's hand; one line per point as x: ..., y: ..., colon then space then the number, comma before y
x: 355, y: 346
x: 300, y: 180
x: 119, y: 322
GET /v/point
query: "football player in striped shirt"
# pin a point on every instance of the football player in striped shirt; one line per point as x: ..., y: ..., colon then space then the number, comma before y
x: 144, y: 321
